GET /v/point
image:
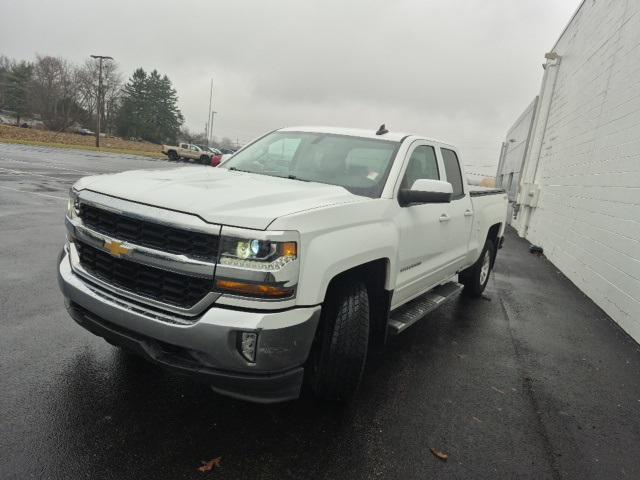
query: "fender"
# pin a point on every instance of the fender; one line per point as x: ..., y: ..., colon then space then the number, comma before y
x: 337, y: 238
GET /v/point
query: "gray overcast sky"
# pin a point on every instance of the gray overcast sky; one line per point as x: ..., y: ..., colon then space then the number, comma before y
x: 460, y: 71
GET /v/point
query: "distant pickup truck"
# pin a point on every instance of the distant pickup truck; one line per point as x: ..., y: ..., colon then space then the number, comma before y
x: 188, y: 151
x: 286, y: 264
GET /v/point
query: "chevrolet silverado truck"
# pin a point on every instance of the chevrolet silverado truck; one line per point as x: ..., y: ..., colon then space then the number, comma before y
x: 188, y: 151
x: 285, y: 266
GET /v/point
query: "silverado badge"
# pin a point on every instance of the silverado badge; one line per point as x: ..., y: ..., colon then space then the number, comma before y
x: 115, y: 248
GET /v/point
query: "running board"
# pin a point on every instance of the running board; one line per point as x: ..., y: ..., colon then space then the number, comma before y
x: 409, y: 313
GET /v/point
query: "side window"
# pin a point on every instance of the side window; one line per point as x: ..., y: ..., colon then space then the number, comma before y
x: 452, y: 169
x: 422, y: 164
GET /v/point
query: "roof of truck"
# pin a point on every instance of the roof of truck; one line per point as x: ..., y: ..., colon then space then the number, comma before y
x: 391, y: 136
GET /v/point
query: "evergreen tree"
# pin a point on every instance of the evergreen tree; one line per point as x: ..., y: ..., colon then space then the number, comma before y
x: 130, y: 120
x: 5, y: 66
x: 17, y: 81
x: 149, y: 108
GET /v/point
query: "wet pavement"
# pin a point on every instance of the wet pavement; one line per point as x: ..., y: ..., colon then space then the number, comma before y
x: 533, y: 381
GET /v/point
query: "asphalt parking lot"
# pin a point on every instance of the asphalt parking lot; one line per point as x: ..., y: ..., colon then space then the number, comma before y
x: 532, y: 381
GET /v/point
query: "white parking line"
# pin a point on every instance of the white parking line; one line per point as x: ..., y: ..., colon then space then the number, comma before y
x: 22, y: 172
x: 48, y: 165
x: 33, y: 193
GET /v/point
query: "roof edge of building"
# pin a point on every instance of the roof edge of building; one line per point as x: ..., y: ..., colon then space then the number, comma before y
x: 564, y: 30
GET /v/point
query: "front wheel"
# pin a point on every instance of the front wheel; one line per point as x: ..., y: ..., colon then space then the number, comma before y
x: 476, y: 277
x: 338, y: 357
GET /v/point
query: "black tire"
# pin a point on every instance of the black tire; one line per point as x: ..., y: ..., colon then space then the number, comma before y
x: 173, y: 156
x: 476, y: 277
x: 338, y: 357
x: 204, y: 160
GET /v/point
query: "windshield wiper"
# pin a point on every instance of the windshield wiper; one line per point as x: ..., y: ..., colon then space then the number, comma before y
x: 238, y: 170
x: 290, y: 177
x: 293, y: 177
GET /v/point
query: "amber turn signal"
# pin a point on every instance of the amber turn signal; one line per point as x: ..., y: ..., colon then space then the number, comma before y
x: 253, y: 289
x: 290, y: 249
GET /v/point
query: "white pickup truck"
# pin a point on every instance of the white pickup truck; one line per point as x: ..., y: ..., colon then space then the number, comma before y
x: 286, y: 265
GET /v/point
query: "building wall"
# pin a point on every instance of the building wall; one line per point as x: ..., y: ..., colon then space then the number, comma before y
x: 581, y: 177
x: 513, y: 152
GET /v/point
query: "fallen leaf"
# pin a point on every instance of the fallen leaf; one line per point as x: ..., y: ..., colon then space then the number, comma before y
x: 439, y: 455
x: 208, y: 466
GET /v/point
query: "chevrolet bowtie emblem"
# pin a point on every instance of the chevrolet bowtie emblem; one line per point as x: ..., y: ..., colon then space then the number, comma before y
x: 115, y: 248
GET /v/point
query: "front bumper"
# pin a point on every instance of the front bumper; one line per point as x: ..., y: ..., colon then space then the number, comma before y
x: 206, y: 349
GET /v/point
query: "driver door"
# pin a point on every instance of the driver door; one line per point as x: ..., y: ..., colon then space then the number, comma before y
x: 422, y: 254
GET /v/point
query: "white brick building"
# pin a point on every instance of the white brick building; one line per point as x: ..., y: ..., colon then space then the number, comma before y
x: 513, y: 151
x: 579, y: 174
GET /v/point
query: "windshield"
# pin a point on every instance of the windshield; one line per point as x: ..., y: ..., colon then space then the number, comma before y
x: 360, y: 165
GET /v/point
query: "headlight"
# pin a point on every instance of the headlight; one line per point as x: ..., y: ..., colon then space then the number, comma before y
x: 256, y: 253
x: 73, y: 205
x: 263, y: 265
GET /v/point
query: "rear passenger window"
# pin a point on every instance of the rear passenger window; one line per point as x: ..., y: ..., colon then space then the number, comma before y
x: 452, y: 169
x: 422, y: 164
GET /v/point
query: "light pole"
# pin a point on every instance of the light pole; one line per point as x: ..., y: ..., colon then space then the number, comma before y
x: 210, y: 139
x: 208, y: 133
x: 99, y: 102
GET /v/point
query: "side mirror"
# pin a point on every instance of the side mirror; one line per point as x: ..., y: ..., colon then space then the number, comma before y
x: 425, y: 191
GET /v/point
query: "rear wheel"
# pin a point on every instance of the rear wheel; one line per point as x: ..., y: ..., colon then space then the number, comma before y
x: 338, y: 357
x: 476, y: 277
x: 173, y: 156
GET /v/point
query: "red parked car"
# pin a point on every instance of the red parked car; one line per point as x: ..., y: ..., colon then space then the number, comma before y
x: 215, y: 160
x: 216, y: 157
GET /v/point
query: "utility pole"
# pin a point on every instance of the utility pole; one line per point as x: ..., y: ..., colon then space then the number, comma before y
x: 209, y: 116
x: 210, y: 138
x: 99, y: 102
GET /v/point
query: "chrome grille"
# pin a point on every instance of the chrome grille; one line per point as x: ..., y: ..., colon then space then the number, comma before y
x: 172, y: 288
x: 149, y: 234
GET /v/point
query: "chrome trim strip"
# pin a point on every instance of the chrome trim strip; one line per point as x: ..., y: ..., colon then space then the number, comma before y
x: 137, y: 308
x: 195, y: 310
x: 144, y: 255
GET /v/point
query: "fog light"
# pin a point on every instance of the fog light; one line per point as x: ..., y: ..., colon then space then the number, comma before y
x: 248, y: 342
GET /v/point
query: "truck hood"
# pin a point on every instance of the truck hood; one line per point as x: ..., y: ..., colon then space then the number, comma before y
x: 218, y: 195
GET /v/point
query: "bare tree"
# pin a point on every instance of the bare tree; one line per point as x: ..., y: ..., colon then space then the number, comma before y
x: 53, y: 92
x: 226, y: 142
x: 188, y: 136
x: 87, y: 76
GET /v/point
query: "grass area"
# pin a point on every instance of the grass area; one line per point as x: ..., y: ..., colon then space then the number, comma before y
x: 28, y: 136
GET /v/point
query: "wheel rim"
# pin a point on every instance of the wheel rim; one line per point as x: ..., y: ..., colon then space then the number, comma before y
x: 486, y: 266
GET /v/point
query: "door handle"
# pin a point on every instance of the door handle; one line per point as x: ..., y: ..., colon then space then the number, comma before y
x: 468, y: 213
x: 444, y: 217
